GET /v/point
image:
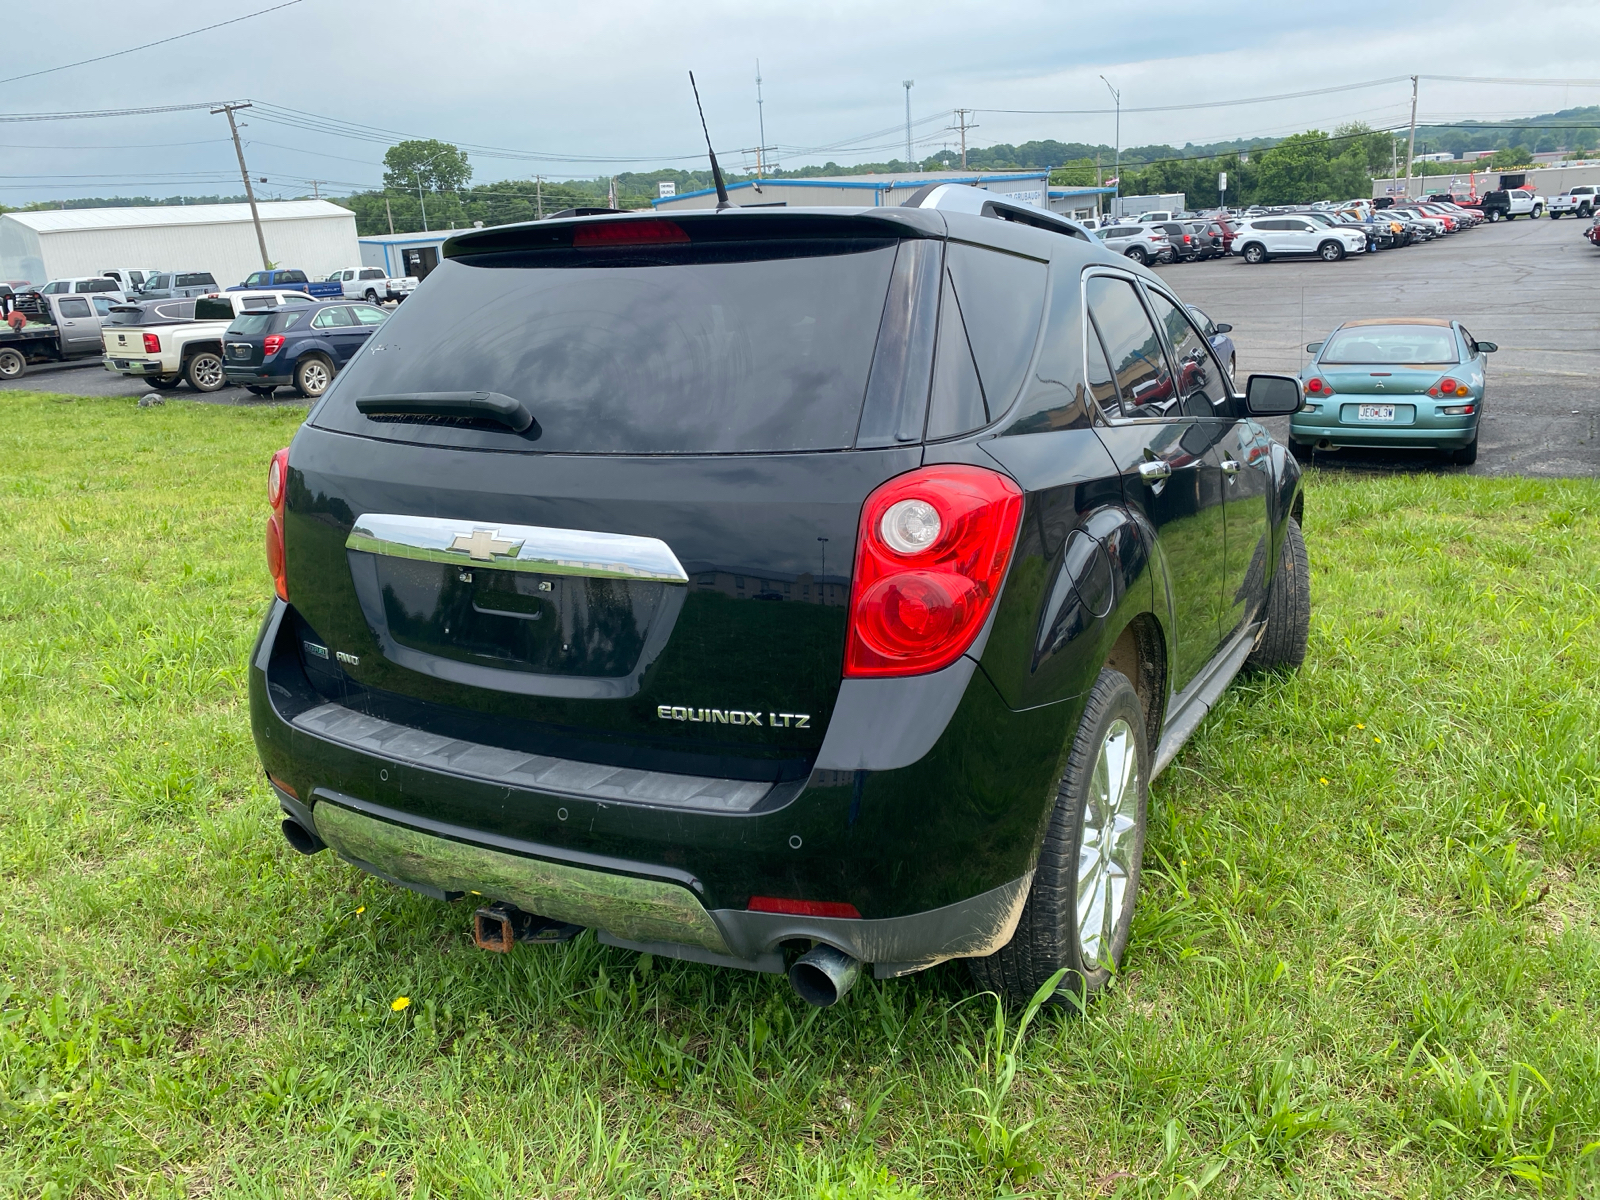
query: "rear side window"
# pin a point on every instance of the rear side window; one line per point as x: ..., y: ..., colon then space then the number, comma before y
x: 371, y: 273
x: 292, y: 277
x: 988, y: 323
x: 742, y: 347
x: 73, y: 307
x: 1132, y: 346
x: 251, y: 324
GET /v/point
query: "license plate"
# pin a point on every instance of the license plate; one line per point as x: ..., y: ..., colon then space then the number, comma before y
x: 1375, y: 412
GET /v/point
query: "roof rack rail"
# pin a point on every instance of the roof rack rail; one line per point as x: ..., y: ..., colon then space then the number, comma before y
x: 962, y: 197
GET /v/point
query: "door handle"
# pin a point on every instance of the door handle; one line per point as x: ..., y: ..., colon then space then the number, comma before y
x: 1155, y: 472
x: 1230, y: 466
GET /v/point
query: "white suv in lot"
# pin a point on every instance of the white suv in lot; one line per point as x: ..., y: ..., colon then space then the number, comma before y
x: 1261, y: 238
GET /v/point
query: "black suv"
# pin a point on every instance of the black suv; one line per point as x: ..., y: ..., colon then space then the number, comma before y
x: 788, y: 590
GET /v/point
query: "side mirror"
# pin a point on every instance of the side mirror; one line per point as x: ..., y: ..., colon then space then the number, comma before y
x: 1272, y: 395
x: 1486, y: 347
x: 1313, y: 347
x: 1223, y: 328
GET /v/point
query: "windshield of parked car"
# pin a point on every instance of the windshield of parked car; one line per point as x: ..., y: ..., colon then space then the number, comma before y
x: 1395, y: 344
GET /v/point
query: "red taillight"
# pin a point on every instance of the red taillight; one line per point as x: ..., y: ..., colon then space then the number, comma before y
x: 640, y: 232
x: 152, y: 344
x: 272, y: 344
x: 1447, y: 385
x: 931, y: 551
x: 1314, y: 386
x: 1187, y: 239
x: 277, y: 491
x: 803, y: 908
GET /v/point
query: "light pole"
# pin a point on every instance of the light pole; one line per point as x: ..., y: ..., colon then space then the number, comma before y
x: 907, y: 83
x: 1116, y: 169
x: 418, y: 172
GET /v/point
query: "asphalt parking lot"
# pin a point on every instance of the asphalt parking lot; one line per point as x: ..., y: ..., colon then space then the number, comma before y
x: 1527, y: 285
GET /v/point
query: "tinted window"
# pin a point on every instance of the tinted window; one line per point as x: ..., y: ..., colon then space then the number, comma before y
x: 292, y: 277
x: 73, y: 307
x: 956, y: 405
x: 199, y: 279
x: 371, y: 273
x: 1134, y: 350
x: 1200, y: 379
x: 250, y: 325
x: 897, y: 394
x: 1053, y: 398
x: 214, y: 310
x: 1002, y: 301
x: 1101, y: 384
x: 1396, y: 344
x: 672, y: 352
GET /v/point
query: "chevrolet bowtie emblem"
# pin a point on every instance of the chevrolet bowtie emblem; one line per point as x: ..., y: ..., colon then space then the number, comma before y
x: 484, y: 544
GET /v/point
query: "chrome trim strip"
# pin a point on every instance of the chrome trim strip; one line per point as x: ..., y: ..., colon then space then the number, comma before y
x: 534, y: 548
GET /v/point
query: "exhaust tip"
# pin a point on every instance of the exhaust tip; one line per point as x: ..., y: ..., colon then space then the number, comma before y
x: 823, y: 975
x: 301, y: 838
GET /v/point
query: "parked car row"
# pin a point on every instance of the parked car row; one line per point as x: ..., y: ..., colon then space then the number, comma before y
x: 263, y: 339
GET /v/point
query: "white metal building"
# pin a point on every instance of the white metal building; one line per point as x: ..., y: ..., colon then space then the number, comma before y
x: 869, y: 190
x: 313, y: 235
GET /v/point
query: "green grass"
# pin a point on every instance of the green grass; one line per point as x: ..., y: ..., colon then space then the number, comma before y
x: 1367, y: 960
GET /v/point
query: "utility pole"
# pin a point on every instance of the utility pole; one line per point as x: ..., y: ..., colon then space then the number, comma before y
x: 761, y: 121
x: 1116, y: 169
x: 316, y: 191
x: 538, y: 197
x: 249, y: 192
x: 907, y: 84
x: 388, y: 212
x: 963, y: 125
x: 1411, y: 146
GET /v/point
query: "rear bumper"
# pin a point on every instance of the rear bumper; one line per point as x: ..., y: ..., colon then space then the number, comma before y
x: 1436, y: 433
x: 257, y: 376
x: 648, y: 859
x: 136, y: 366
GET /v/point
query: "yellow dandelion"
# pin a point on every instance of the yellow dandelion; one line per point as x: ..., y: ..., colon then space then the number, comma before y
x: 400, y: 1002
x: 1323, y: 780
x: 1359, y: 725
x: 1376, y: 738
x: 361, y: 910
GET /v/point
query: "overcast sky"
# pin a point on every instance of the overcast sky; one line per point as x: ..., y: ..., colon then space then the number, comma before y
x: 559, y: 82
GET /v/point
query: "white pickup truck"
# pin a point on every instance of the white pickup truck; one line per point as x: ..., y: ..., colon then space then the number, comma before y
x: 167, y: 352
x: 372, y: 285
x: 1580, y: 201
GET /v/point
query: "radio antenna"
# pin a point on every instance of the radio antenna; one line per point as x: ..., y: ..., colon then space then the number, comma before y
x: 716, y: 171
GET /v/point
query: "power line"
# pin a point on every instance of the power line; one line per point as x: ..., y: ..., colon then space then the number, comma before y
x: 108, y: 112
x: 149, y: 45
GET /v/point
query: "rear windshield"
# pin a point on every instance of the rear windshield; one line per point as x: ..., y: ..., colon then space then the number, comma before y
x: 1394, y: 344
x: 679, y: 350
x: 255, y: 324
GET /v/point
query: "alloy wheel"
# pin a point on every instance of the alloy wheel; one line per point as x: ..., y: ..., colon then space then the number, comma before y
x: 205, y: 372
x: 1106, y: 849
x: 313, y: 378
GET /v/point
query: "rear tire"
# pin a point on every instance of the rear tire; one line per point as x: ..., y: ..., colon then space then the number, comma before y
x: 204, y: 372
x: 1138, y: 254
x: 1302, y: 451
x: 1331, y: 251
x: 1233, y: 368
x: 12, y: 364
x: 1080, y: 907
x: 1494, y: 216
x: 312, y: 375
x: 1254, y: 254
x: 1554, y: 215
x: 166, y: 382
x: 1283, y: 645
x: 1466, y: 455
x: 259, y: 390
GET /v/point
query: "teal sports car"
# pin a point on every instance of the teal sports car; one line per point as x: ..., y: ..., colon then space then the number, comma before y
x: 1409, y: 383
